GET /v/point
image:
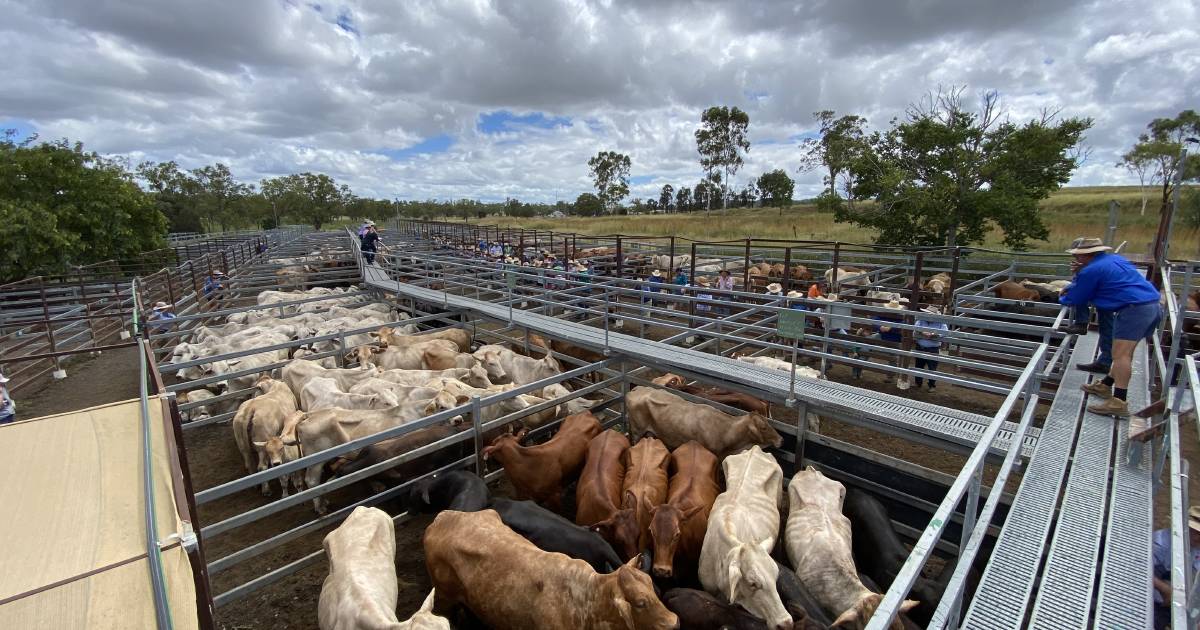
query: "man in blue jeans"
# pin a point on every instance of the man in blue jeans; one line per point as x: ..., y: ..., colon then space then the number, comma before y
x: 1104, y: 324
x: 1113, y: 284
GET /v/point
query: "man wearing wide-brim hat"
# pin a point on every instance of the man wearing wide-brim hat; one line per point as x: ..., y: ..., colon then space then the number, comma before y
x: 1162, y: 566
x: 1113, y: 284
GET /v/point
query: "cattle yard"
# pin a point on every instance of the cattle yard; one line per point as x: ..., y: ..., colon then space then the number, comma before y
x: 1033, y: 530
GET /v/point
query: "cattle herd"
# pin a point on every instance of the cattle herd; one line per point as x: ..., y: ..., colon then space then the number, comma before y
x: 680, y: 527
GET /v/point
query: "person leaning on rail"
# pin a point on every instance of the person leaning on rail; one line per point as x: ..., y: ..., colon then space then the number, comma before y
x: 1112, y: 283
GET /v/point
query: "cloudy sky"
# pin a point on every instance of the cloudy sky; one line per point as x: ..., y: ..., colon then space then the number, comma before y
x: 419, y: 99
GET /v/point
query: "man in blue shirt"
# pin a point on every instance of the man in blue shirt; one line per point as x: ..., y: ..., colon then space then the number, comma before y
x: 1113, y: 284
x: 1162, y: 566
x: 928, y: 336
x: 8, y: 408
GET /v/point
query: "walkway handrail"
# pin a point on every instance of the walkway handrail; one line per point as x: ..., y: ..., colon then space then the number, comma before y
x: 969, y: 481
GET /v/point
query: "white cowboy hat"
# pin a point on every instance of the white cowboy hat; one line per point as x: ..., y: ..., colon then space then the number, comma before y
x: 656, y: 273
x: 936, y: 310
x: 794, y: 294
x: 3, y: 378
x: 703, y: 281
x: 1083, y: 245
x: 893, y: 304
x: 218, y: 272
x: 774, y: 287
x: 580, y: 267
x: 161, y: 305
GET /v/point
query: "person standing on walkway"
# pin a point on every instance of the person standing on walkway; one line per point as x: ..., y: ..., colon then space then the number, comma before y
x: 8, y: 408
x: 928, y: 336
x: 1112, y: 283
x: 370, y: 243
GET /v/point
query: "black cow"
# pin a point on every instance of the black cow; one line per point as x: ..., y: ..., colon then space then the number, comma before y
x: 698, y: 610
x: 456, y: 490
x: 551, y: 532
x: 799, y: 603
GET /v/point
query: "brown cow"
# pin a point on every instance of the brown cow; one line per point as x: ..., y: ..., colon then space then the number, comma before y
x: 598, y: 494
x: 475, y: 560
x: 1010, y: 290
x: 646, y: 481
x: 675, y: 421
x: 677, y: 527
x: 540, y: 472
x: 387, y: 449
x: 745, y: 402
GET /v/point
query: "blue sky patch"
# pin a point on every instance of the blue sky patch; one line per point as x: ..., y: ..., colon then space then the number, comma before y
x: 24, y: 128
x: 436, y: 144
x: 637, y: 180
x: 503, y: 120
x: 345, y: 21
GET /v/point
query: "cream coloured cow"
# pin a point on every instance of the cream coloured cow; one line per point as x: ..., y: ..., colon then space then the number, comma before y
x: 505, y: 365
x: 675, y: 421
x: 848, y: 276
x: 324, y: 393
x: 257, y: 425
x: 475, y: 376
x: 360, y: 591
x: 298, y: 371
x: 461, y: 338
x: 436, y: 354
x: 819, y: 546
x: 772, y: 363
x: 328, y: 428
x: 735, y: 559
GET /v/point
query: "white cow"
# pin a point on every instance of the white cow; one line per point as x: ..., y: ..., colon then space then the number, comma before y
x: 772, y: 363
x: 852, y: 277
x: 257, y: 426
x: 436, y: 354
x: 324, y: 393
x: 735, y: 559
x: 297, y: 372
x: 360, y: 591
x: 504, y: 365
x: 819, y: 545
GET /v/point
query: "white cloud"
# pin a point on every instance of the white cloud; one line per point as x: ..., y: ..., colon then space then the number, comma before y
x: 278, y: 86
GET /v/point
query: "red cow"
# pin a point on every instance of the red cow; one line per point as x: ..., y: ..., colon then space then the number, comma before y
x: 540, y: 472
x: 677, y: 527
x: 598, y: 494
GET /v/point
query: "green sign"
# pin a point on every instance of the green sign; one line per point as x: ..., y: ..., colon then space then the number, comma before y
x: 511, y: 278
x: 791, y: 324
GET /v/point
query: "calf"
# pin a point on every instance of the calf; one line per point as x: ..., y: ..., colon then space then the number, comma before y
x: 745, y: 402
x: 504, y: 365
x: 323, y: 393
x: 645, y: 484
x: 540, y: 472
x: 360, y: 591
x: 257, y: 425
x: 675, y: 421
x: 677, y: 527
x: 459, y: 336
x: 818, y: 544
x: 436, y: 354
x: 743, y: 525
x: 508, y: 582
x: 552, y: 532
x: 698, y: 610
x: 598, y: 493
x: 1010, y: 290
x: 474, y: 559
x: 880, y: 554
x: 298, y: 371
x: 454, y: 490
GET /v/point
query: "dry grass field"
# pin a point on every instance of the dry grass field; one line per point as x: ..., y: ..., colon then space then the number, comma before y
x: 1069, y: 213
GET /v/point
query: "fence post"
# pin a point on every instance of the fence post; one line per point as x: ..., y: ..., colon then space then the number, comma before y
x: 692, y: 277
x: 1110, y: 234
x: 477, y: 427
x: 787, y: 270
x: 746, y: 270
x: 58, y: 371
x: 620, y: 259
x: 834, y: 281
x: 953, y: 281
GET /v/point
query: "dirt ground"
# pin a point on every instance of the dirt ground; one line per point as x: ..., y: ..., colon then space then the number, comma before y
x: 92, y: 380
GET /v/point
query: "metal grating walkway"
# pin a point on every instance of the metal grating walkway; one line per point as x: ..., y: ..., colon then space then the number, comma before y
x: 1100, y: 530
x: 947, y: 424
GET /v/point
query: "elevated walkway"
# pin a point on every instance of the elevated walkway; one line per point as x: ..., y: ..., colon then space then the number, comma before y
x: 1075, y: 550
x: 902, y: 416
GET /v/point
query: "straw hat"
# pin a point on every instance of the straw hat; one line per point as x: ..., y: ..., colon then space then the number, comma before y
x: 794, y: 294
x: 703, y: 281
x: 936, y: 310
x: 580, y: 267
x: 218, y: 272
x: 159, y: 306
x: 893, y: 304
x: 1083, y: 245
x: 774, y: 287
x: 1193, y: 512
x: 656, y: 273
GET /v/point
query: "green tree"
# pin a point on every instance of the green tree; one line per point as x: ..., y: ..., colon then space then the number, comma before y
x: 683, y: 199
x: 318, y: 199
x: 1160, y: 148
x: 220, y: 197
x: 721, y: 139
x: 175, y: 193
x: 841, y: 144
x: 61, y: 205
x: 588, y: 205
x: 666, y: 197
x: 776, y: 189
x: 610, y: 172
x: 945, y: 175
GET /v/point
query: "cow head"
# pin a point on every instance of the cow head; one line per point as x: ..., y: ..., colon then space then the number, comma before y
x: 445, y: 400
x: 673, y: 381
x: 363, y: 355
x: 263, y: 383
x: 273, y: 450
x: 665, y: 521
x: 490, y: 359
x: 764, y: 434
x: 477, y: 376
x: 752, y: 575
x: 632, y: 595
x: 621, y: 530
x: 857, y: 617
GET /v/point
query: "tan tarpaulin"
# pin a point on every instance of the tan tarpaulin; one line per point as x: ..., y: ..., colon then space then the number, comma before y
x: 72, y: 526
